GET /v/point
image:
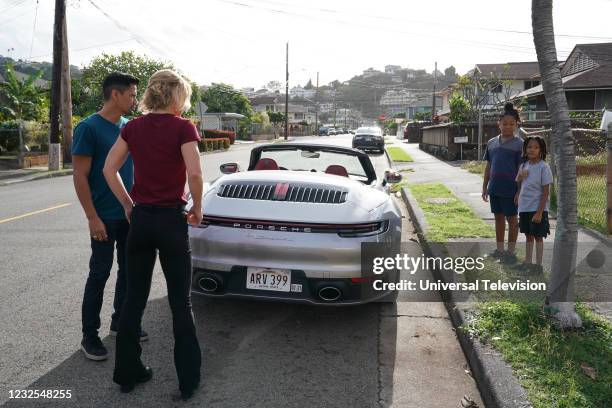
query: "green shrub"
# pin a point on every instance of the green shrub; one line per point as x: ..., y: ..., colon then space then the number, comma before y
x: 209, y: 145
x: 219, y: 134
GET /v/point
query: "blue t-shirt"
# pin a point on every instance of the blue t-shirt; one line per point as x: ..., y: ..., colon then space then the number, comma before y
x: 94, y: 136
x: 505, y: 159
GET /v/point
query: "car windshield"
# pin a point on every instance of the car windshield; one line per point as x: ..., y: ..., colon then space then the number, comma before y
x: 308, y: 160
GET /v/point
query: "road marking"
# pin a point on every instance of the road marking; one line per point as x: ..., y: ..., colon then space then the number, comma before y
x: 34, y: 213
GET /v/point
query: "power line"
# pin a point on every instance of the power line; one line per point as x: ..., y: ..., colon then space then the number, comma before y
x: 33, y: 31
x: 89, y: 47
x: 402, y: 20
x: 16, y: 17
x: 499, y: 47
x: 13, y: 5
x: 135, y: 36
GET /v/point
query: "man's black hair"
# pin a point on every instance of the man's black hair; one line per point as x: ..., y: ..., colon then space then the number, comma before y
x: 541, y: 143
x: 118, y: 81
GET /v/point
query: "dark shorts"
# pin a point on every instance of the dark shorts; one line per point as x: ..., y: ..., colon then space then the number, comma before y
x: 528, y: 227
x: 503, y: 205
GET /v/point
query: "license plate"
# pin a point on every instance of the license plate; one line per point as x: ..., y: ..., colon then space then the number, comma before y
x: 368, y: 139
x: 268, y: 279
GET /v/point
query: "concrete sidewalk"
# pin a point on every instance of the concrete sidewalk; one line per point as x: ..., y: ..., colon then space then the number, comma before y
x: 34, y: 173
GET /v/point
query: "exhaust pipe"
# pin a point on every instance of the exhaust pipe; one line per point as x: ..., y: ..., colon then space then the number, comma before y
x: 329, y: 293
x: 208, y: 284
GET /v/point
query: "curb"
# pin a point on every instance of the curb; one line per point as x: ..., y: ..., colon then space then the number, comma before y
x: 43, y: 175
x: 498, y: 386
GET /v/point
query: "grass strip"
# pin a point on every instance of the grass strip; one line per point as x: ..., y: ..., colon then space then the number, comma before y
x: 557, y: 369
x: 449, y: 219
x: 398, y: 154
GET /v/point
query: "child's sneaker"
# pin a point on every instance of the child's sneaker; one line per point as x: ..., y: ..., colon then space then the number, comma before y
x: 537, y: 269
x: 508, y: 258
x: 497, y: 254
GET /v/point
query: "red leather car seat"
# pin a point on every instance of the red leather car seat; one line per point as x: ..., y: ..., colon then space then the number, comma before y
x: 266, y: 164
x: 336, y: 169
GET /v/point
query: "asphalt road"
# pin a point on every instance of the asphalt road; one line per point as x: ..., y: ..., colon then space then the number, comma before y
x: 255, y: 354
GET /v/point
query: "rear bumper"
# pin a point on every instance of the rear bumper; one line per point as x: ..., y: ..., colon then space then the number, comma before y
x: 368, y: 146
x: 232, y: 284
x: 314, y: 259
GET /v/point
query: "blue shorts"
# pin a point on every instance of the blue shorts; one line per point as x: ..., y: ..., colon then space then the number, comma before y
x: 503, y: 205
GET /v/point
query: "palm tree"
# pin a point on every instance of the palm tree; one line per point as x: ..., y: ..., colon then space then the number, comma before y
x: 21, y: 98
x: 560, y: 302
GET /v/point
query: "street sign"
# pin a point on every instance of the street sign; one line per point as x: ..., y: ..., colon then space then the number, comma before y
x: 201, y: 108
x: 461, y: 139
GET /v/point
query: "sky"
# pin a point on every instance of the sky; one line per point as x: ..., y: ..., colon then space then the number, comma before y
x: 242, y: 42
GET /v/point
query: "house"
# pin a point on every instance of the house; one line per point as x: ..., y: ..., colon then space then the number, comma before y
x: 392, y: 69
x: 299, y: 92
x: 276, y: 103
x: 514, y: 78
x: 587, y: 79
x: 396, y: 101
x: 370, y: 72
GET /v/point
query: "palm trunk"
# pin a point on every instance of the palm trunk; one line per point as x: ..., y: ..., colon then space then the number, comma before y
x: 560, y: 297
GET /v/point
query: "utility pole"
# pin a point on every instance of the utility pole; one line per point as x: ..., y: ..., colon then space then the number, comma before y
x: 335, y: 109
x: 55, y: 156
x: 433, y: 107
x: 66, y: 99
x: 287, y: 96
x: 317, y: 106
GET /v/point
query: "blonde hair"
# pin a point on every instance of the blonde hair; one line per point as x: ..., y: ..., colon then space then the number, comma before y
x: 166, y: 89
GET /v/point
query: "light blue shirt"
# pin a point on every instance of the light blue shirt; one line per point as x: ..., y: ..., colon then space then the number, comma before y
x: 532, y: 186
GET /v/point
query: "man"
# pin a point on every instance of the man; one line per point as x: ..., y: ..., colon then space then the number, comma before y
x: 93, y: 139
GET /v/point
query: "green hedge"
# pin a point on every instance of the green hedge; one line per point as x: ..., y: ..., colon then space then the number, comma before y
x: 209, y: 145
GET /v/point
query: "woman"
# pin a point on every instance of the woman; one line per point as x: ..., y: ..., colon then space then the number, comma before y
x: 164, y: 148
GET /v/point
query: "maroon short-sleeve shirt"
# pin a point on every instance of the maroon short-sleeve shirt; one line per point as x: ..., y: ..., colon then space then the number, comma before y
x: 154, y: 141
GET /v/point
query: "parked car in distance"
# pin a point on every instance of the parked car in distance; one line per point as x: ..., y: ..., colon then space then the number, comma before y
x: 332, y: 131
x: 323, y: 131
x: 369, y: 138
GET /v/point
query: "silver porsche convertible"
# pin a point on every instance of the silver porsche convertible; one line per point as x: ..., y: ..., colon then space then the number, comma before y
x: 291, y: 227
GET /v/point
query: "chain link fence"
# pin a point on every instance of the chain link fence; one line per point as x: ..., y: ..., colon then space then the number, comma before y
x: 591, y: 164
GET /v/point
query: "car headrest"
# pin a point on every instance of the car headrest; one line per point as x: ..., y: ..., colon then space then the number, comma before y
x: 336, y: 169
x: 266, y: 164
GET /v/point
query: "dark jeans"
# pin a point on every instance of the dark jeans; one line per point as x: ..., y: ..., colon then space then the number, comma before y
x: 100, y: 265
x: 165, y: 230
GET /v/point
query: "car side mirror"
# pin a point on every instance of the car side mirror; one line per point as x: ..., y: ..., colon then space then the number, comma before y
x: 229, y: 168
x: 392, y: 177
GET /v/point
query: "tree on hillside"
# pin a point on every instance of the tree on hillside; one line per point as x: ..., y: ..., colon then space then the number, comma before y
x: 21, y: 99
x: 450, y: 73
x: 309, y: 85
x: 560, y: 289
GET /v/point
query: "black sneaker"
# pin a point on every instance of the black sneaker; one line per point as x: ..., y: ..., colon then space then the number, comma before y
x: 94, y: 349
x: 145, y: 375
x: 497, y: 254
x: 144, y: 336
x: 508, y: 258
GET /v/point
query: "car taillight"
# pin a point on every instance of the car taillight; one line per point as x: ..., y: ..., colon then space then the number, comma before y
x: 364, y: 230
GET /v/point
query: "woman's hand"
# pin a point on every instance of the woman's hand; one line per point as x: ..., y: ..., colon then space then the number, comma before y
x: 522, y: 175
x: 516, y: 198
x: 194, y: 216
x: 128, y: 211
